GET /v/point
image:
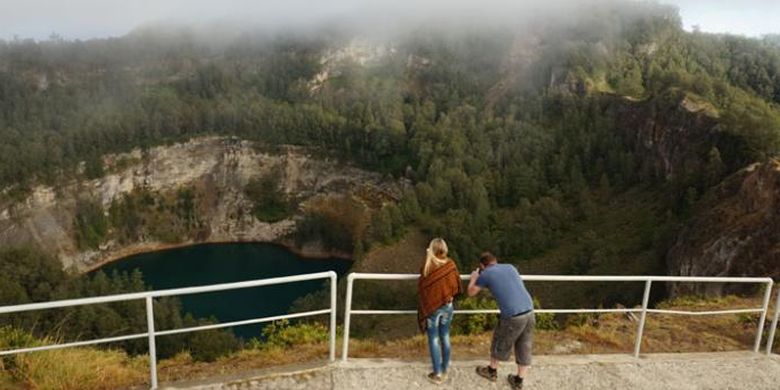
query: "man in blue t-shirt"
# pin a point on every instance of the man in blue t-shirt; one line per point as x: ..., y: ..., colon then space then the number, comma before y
x: 516, y: 325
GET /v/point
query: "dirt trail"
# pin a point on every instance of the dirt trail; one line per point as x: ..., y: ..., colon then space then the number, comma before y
x: 732, y: 370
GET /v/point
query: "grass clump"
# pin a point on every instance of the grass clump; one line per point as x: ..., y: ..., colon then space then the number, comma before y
x: 66, y: 369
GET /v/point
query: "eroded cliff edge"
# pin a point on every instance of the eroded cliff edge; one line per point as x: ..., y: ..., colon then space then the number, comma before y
x: 200, y: 186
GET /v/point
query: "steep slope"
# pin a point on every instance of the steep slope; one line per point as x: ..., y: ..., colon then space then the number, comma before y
x: 736, y: 231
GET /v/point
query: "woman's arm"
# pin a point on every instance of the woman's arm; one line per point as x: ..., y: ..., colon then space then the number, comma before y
x: 456, y: 280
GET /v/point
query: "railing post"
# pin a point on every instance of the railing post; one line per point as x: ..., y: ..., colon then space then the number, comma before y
x: 347, y: 315
x: 152, y: 346
x: 773, y: 328
x: 333, y: 316
x: 642, y: 317
x: 762, y: 320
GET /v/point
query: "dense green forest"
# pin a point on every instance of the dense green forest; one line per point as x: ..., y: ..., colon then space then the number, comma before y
x: 504, y: 131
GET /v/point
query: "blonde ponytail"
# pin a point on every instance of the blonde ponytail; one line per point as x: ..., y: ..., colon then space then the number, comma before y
x: 435, y: 255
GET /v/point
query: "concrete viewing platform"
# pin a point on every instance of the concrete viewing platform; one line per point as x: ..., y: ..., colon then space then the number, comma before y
x: 725, y: 370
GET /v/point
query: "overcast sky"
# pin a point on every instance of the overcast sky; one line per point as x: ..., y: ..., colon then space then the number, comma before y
x: 82, y: 19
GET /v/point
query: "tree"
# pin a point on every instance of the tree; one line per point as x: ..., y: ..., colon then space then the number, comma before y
x: 714, y: 168
x: 382, y: 226
x: 409, y: 206
x: 270, y: 203
x: 91, y: 224
x: 209, y: 345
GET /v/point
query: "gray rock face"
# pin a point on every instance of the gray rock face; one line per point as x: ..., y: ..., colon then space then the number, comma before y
x: 220, y: 167
x: 668, y: 140
x: 736, y: 231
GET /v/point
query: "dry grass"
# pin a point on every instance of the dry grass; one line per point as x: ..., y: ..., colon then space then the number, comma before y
x: 182, y: 367
x: 75, y: 369
x: 94, y: 369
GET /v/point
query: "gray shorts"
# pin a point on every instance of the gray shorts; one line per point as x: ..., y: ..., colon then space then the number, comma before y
x: 517, y: 332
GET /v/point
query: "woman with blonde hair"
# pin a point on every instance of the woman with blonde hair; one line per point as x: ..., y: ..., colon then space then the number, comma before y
x: 438, y: 286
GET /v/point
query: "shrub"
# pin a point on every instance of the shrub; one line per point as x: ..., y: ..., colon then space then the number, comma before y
x: 544, y: 321
x: 748, y: 319
x: 475, y: 323
x: 208, y: 346
x: 283, y: 334
x: 11, y: 338
x: 479, y: 323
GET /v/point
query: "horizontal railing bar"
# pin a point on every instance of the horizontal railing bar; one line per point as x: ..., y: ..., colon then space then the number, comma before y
x: 477, y: 311
x: 245, y: 284
x: 494, y: 311
x: 240, y: 323
x: 704, y: 313
x: 74, y: 344
x: 584, y: 278
x: 383, y: 311
x: 575, y: 311
x: 164, y: 293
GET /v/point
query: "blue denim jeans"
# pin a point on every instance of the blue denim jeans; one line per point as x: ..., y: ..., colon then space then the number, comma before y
x: 439, y: 337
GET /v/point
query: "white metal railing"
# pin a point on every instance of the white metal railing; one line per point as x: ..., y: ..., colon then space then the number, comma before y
x: 771, y: 339
x: 648, y: 280
x: 149, y: 296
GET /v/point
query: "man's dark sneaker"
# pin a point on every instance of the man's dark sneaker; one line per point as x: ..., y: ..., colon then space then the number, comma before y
x: 435, y: 378
x: 488, y: 373
x: 515, y: 382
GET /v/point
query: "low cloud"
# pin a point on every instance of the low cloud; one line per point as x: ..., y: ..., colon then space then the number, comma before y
x: 82, y: 19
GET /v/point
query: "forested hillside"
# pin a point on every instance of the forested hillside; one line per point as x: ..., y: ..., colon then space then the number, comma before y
x: 514, y: 136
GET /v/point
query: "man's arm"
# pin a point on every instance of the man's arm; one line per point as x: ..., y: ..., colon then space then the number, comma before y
x: 473, y: 288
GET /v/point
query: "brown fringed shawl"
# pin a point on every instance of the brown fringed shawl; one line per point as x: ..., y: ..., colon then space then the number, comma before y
x: 437, y: 289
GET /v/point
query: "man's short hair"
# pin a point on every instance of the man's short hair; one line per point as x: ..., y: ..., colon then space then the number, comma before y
x: 486, y: 258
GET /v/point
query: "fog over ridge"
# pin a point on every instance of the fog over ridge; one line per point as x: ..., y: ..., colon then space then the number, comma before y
x: 84, y: 19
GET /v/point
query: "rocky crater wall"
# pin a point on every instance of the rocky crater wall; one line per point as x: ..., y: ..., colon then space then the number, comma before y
x: 216, y: 169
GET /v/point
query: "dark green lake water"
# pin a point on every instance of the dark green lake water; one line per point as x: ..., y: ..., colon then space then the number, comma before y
x: 224, y: 263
